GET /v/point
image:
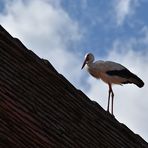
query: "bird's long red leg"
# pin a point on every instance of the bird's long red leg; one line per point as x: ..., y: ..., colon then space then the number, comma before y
x: 112, y: 100
x: 109, y: 91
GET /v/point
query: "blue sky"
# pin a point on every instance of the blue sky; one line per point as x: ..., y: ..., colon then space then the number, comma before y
x: 63, y: 31
x: 97, y: 17
x: 1, y: 5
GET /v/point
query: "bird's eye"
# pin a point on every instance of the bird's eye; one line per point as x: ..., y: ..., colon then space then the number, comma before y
x: 87, y: 58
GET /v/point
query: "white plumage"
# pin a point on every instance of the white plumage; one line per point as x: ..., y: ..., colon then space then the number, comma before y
x: 111, y: 73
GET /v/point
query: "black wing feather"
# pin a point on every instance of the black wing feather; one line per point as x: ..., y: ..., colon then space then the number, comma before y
x: 125, y: 73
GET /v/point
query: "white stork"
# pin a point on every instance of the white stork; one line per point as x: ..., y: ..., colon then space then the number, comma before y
x: 111, y: 73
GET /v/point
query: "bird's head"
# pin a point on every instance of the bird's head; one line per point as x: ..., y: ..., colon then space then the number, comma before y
x: 89, y: 58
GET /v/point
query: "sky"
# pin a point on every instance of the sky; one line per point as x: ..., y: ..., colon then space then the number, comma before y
x: 63, y: 31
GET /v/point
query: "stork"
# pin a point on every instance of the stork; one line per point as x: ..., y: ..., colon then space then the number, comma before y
x: 111, y: 73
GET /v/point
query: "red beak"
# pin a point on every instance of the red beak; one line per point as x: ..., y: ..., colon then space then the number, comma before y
x: 83, y: 64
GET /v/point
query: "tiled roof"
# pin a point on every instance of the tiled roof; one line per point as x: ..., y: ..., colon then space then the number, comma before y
x: 39, y: 108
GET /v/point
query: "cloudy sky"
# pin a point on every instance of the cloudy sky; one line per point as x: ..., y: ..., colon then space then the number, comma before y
x: 63, y: 31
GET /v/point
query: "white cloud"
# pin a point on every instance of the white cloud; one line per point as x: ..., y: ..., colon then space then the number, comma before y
x: 124, y: 9
x: 47, y: 29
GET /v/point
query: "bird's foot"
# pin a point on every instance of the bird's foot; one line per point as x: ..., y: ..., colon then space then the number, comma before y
x: 108, y: 112
x: 112, y: 115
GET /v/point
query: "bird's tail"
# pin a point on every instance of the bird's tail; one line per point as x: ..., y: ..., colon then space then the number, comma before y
x: 136, y: 80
